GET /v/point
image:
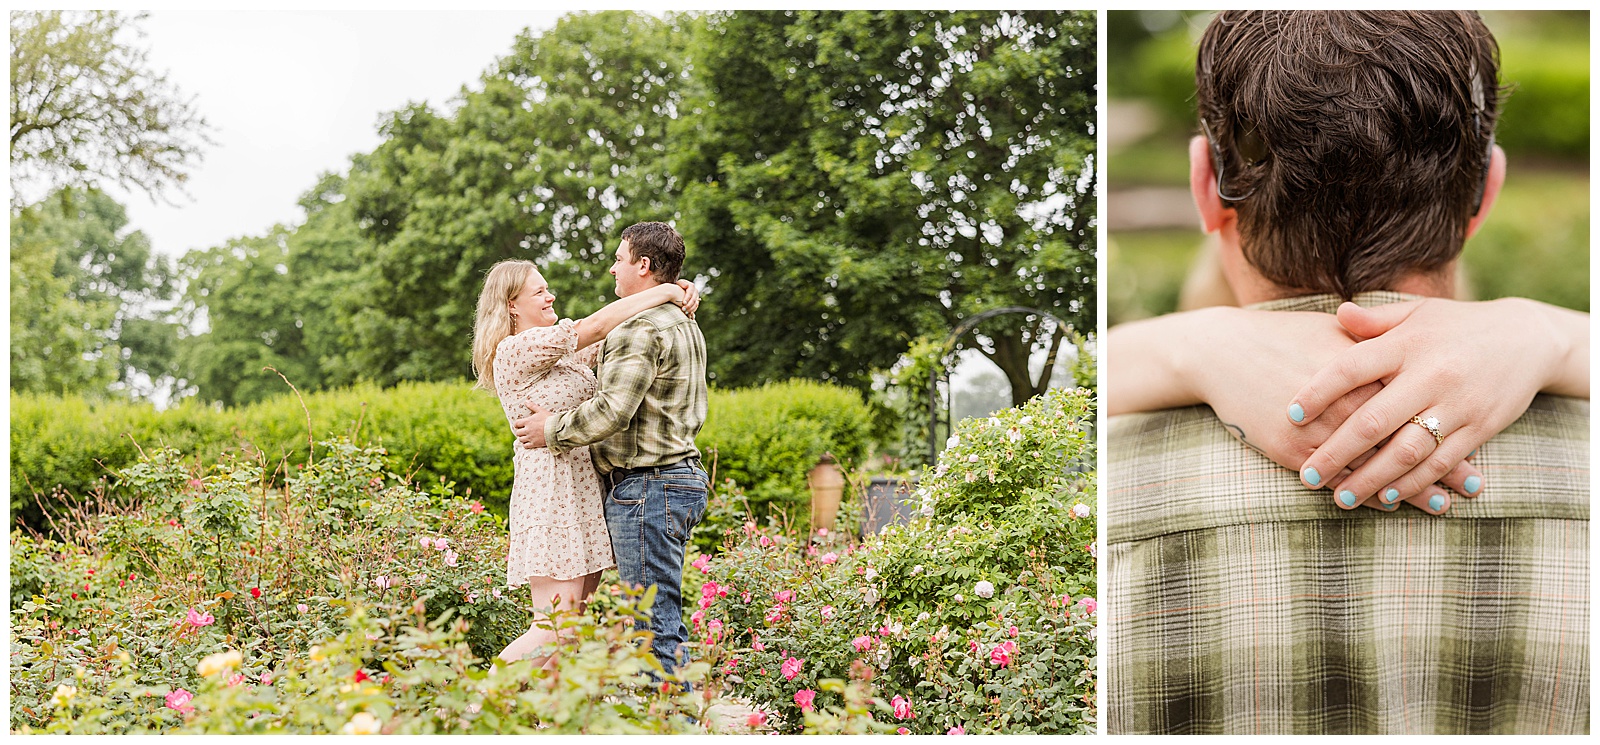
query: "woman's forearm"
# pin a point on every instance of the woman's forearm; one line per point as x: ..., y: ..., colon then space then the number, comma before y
x: 1569, y: 331
x: 1144, y: 371
x: 603, y: 321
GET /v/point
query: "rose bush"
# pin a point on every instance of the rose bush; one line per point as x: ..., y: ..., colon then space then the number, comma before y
x: 977, y: 617
x: 338, y: 598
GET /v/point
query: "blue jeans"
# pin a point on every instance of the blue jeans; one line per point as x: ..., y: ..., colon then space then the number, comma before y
x: 650, y: 516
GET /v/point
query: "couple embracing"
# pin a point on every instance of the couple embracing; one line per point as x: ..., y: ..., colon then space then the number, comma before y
x: 605, y: 410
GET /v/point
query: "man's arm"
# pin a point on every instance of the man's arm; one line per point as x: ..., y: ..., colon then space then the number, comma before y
x: 629, y: 370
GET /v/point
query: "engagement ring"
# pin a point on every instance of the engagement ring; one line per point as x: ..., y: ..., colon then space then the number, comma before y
x: 1432, y: 425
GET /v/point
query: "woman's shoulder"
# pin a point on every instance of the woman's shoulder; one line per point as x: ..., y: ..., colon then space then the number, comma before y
x: 561, y: 335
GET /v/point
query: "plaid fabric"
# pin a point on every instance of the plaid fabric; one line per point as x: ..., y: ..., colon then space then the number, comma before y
x: 652, y: 397
x: 1237, y: 602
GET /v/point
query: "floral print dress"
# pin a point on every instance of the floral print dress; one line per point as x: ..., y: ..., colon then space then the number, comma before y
x: 558, y: 523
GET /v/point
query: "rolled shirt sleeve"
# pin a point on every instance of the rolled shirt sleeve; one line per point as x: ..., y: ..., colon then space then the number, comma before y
x: 631, y: 354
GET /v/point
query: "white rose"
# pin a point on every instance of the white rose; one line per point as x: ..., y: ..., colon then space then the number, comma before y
x: 984, y: 589
x: 953, y: 441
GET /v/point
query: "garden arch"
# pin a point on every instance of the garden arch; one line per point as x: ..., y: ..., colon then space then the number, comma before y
x: 939, y: 368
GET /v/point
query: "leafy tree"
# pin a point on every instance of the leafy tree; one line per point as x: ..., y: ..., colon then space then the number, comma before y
x: 275, y: 300
x: 859, y: 178
x: 55, y: 347
x: 563, y: 147
x: 87, y: 109
x: 86, y: 297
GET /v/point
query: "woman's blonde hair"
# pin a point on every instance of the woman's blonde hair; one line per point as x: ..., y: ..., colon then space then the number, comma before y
x: 505, y: 280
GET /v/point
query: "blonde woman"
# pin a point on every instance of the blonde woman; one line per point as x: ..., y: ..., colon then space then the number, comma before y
x: 527, y: 356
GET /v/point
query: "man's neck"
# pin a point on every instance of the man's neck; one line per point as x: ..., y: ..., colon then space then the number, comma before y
x: 1249, y: 287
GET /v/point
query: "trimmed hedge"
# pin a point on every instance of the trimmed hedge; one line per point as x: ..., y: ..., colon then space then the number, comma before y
x: 767, y: 437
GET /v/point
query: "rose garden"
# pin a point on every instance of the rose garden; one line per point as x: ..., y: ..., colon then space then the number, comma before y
x: 231, y: 593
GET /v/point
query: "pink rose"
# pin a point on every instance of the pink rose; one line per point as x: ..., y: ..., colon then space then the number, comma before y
x: 999, y: 656
x: 745, y: 596
x: 972, y: 646
x: 449, y: 557
x: 426, y: 542
x: 733, y: 664
x: 715, y: 627
x: 756, y: 643
x: 476, y: 507
x: 302, y: 607
x: 708, y: 589
x: 197, y: 619
x: 765, y: 541
x: 804, y: 698
x: 1013, y: 631
x: 705, y: 603
x: 179, y: 700
x: 902, y: 731
x: 956, y: 730
x: 774, y: 614
x: 701, y: 563
x: 756, y: 719
x: 698, y: 618
x: 266, y: 679
x: 441, y: 544
x: 783, y: 596
x: 827, y: 613
x: 861, y: 643
x: 791, y: 667
x: 829, y: 558
x: 902, y: 707
x: 1089, y: 605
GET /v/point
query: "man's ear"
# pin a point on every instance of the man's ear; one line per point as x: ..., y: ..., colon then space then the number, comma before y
x: 1491, y: 189
x: 644, y: 265
x: 1203, y: 185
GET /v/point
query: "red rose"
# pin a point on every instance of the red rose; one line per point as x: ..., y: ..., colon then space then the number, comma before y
x: 255, y: 592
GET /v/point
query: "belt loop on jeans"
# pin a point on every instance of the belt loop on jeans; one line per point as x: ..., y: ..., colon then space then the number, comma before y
x: 618, y: 474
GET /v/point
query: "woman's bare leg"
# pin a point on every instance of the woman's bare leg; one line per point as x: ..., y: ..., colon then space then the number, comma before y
x: 556, y: 595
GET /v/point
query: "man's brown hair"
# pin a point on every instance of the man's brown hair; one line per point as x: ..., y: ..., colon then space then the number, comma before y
x: 1352, y: 144
x: 661, y: 244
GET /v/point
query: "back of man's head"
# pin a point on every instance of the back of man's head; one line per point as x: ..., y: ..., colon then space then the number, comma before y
x: 1353, y: 145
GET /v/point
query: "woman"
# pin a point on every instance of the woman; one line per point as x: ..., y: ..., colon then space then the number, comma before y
x: 527, y: 356
x: 1483, y: 360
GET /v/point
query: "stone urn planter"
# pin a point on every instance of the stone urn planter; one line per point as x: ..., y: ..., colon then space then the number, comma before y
x: 827, y: 490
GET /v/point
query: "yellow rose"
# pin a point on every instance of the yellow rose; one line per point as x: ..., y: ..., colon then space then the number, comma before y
x: 363, y: 724
x: 220, y: 662
x: 316, y: 653
x: 63, y: 695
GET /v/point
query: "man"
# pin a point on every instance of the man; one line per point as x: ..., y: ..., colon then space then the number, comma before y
x: 640, y: 427
x: 1343, y: 155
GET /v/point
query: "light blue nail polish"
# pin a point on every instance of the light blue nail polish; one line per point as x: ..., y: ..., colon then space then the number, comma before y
x: 1472, y: 484
x: 1296, y: 413
x: 1474, y: 452
x: 1347, y: 497
x: 1312, y: 477
x: 1436, y: 502
x: 1392, y: 495
x: 1391, y: 507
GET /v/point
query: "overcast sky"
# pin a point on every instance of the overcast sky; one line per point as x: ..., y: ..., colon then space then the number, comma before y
x: 293, y: 94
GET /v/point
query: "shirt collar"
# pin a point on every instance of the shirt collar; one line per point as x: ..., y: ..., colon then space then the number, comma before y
x: 1328, y: 303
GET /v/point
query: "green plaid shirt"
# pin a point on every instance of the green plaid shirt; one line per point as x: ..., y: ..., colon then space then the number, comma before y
x: 1237, y: 602
x: 652, y: 396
